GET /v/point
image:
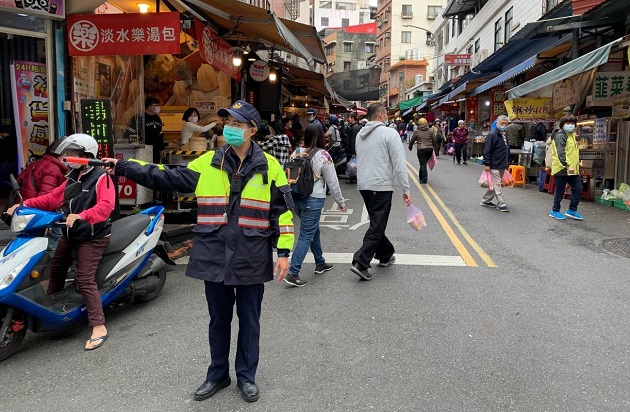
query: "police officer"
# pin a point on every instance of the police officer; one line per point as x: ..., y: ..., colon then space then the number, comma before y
x: 243, y: 213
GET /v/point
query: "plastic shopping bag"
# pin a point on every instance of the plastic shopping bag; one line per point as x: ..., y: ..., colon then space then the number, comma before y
x: 351, y: 168
x: 507, y: 179
x: 432, y: 161
x: 486, y: 180
x: 415, y: 218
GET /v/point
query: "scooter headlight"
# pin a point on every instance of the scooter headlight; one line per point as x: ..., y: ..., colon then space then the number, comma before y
x: 6, y: 279
x: 19, y: 222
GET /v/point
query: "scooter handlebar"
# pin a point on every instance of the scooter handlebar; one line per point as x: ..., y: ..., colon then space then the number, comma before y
x: 88, y: 162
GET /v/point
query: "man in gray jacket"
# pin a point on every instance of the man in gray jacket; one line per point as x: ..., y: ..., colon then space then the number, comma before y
x: 380, y: 158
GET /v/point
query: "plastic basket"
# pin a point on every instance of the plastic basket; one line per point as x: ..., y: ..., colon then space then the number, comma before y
x: 604, y: 202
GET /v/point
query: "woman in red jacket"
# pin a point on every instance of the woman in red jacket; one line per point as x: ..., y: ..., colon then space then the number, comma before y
x: 43, y: 175
x: 460, y: 138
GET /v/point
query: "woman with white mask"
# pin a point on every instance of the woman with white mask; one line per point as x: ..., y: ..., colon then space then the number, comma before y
x: 191, y: 118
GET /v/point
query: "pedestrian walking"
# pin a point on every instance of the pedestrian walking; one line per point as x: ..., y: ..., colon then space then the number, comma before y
x: 410, y: 128
x: 565, y: 167
x: 243, y: 213
x: 424, y: 139
x: 438, y: 137
x: 495, y: 160
x: 309, y: 209
x: 355, y: 127
x: 277, y: 144
x: 460, y: 139
x: 380, y: 158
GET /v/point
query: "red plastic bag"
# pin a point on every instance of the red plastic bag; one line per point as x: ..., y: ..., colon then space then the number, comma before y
x: 432, y: 161
x: 507, y: 179
x: 415, y: 218
x: 486, y: 180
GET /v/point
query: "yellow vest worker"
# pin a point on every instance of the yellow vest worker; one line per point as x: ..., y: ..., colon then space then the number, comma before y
x: 243, y: 213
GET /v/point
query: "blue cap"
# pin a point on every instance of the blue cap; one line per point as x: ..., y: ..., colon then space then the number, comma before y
x: 311, y: 111
x: 243, y: 112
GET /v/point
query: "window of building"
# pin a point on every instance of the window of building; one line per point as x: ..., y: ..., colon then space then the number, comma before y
x: 330, y: 49
x: 345, y: 22
x: 466, y: 21
x: 346, y: 6
x: 433, y: 11
x: 369, y: 48
x: 508, y: 25
x: 454, y: 27
x: 364, y: 81
x: 331, y: 67
x: 498, y: 36
x: 394, y: 81
x: 440, y: 42
x: 324, y: 21
x: 406, y: 10
x: 347, y: 66
x: 405, y: 37
x: 325, y: 4
x: 477, y: 45
x: 447, y: 34
x: 347, y: 47
x: 469, y: 50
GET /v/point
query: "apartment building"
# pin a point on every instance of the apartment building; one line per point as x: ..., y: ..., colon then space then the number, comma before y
x: 478, y: 29
x: 333, y: 13
x: 404, y: 33
x: 349, y: 48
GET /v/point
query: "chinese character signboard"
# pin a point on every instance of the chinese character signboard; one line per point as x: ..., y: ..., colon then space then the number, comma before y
x: 96, y: 119
x: 497, y: 108
x: 457, y: 59
x: 30, y: 106
x: 608, y: 86
x: 530, y: 109
x: 216, y: 51
x: 48, y: 8
x: 566, y: 92
x: 128, y: 34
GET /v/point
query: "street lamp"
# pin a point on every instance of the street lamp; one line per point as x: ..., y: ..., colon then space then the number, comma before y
x: 430, y: 40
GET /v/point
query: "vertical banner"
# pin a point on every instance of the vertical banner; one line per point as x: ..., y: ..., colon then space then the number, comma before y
x: 30, y: 108
x: 472, y: 105
x: 497, y: 108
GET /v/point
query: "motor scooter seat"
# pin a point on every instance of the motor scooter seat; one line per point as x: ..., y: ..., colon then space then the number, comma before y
x: 125, y: 230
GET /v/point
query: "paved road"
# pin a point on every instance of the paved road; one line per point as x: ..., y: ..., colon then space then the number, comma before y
x: 485, y: 311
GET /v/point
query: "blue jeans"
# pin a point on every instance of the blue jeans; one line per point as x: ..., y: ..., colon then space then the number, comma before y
x: 309, y: 211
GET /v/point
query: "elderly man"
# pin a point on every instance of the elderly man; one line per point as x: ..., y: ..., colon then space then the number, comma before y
x: 495, y: 159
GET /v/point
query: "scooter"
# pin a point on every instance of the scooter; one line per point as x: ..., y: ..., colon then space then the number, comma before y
x: 133, y: 268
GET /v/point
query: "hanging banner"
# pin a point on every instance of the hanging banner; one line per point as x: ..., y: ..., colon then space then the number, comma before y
x: 215, y: 51
x: 497, y: 108
x: 530, y: 109
x: 46, y: 8
x: 30, y: 108
x: 608, y: 85
x: 567, y: 92
x: 472, y: 103
x: 128, y: 34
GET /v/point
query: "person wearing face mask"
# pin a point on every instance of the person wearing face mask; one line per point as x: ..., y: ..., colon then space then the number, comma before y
x: 495, y: 159
x: 244, y: 204
x: 153, y: 134
x: 311, y: 115
x: 190, y: 118
x: 460, y: 139
x: 87, y: 228
x: 565, y: 167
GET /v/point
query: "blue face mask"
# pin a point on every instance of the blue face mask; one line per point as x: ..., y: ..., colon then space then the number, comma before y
x: 501, y: 127
x: 569, y: 128
x: 234, y: 136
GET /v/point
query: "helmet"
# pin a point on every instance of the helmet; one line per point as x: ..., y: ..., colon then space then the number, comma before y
x: 79, y: 141
x: 333, y: 120
x: 422, y: 121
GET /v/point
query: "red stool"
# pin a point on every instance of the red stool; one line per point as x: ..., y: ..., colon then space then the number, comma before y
x: 586, y: 187
x: 550, y: 183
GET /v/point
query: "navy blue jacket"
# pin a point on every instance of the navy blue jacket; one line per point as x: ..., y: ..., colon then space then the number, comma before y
x: 496, y: 151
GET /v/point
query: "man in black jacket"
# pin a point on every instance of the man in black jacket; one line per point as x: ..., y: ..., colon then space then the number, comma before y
x: 495, y: 160
x: 351, y: 140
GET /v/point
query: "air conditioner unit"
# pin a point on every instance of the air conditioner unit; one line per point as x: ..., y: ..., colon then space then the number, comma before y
x: 388, y: 35
x: 432, y: 79
x: 480, y: 56
x: 379, y: 24
x: 431, y: 16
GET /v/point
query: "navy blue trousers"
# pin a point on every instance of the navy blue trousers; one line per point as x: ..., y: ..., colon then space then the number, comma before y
x: 221, y: 299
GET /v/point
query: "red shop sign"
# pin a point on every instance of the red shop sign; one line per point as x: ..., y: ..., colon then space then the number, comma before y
x: 457, y: 59
x: 127, y: 189
x: 129, y: 34
x: 216, y: 51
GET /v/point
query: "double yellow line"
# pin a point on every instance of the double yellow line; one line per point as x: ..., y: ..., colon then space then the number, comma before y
x: 430, y: 195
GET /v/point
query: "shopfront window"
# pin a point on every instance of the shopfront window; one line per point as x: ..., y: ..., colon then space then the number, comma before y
x: 28, y: 23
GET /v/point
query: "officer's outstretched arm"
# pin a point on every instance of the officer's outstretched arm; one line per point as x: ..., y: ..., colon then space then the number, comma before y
x: 158, y: 177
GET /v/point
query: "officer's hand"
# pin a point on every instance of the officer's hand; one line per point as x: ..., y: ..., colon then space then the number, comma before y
x: 110, y: 170
x: 281, y: 269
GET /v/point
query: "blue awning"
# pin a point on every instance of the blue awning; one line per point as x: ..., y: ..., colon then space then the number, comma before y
x: 505, y: 76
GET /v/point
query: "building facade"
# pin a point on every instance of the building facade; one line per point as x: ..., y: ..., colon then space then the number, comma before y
x: 404, y: 33
x: 333, y: 13
x: 408, y: 79
x: 349, y: 48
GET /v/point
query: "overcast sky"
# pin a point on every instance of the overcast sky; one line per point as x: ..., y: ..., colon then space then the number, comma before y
x: 373, y: 2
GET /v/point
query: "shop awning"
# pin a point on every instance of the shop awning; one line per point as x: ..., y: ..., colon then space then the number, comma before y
x: 254, y: 24
x: 408, y: 111
x: 304, y: 81
x: 463, y: 89
x: 581, y: 64
x: 406, y: 104
x: 505, y: 76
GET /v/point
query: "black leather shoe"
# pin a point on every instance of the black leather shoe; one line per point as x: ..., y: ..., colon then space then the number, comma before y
x: 249, y: 391
x: 364, y: 273
x: 208, y: 389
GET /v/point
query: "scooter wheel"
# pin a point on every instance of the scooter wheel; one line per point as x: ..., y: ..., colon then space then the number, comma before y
x: 12, y: 340
x: 161, y: 275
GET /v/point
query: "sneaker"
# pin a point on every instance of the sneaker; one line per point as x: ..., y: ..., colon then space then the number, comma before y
x: 363, y: 273
x: 385, y: 263
x: 324, y: 267
x: 503, y: 208
x: 466, y: 163
x: 488, y: 204
x: 294, y: 280
x: 557, y: 215
x: 573, y: 214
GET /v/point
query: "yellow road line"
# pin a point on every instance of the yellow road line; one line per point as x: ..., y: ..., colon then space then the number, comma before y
x: 482, y: 254
x: 461, y: 249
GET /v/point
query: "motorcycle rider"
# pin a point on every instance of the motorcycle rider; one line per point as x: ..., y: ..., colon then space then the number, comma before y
x: 87, y: 228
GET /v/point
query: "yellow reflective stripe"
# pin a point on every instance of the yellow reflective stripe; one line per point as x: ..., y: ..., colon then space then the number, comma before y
x: 286, y: 229
x: 255, y: 223
x: 255, y: 204
x: 211, y: 200
x: 211, y: 219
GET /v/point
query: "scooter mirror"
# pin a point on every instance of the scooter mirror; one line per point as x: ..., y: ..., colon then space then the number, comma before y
x: 15, y: 186
x: 15, y: 191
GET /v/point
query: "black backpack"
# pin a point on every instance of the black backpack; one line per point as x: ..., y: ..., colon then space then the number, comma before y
x: 299, y: 171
